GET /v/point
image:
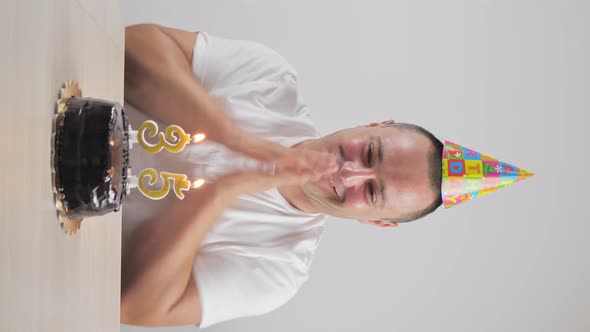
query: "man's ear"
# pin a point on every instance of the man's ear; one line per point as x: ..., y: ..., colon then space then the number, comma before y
x: 377, y: 124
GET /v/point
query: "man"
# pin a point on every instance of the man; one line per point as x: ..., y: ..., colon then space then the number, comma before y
x: 242, y: 245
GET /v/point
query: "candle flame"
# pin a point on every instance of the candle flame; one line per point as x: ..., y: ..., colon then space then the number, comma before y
x: 112, y: 143
x: 198, y: 183
x: 199, y: 137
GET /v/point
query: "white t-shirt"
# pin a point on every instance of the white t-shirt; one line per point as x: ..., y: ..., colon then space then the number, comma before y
x: 258, y: 254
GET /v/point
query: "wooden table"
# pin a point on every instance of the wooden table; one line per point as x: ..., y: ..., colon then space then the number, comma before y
x: 50, y: 281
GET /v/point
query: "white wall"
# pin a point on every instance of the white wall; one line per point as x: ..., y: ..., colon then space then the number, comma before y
x: 509, y: 78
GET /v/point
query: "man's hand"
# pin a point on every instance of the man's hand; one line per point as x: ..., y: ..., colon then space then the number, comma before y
x: 239, y: 140
x: 308, y: 164
x: 298, y: 167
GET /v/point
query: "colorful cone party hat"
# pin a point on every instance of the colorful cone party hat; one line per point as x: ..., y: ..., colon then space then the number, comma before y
x: 467, y: 174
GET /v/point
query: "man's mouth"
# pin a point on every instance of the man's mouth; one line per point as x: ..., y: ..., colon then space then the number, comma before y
x: 334, y: 187
x: 337, y: 185
x: 338, y: 190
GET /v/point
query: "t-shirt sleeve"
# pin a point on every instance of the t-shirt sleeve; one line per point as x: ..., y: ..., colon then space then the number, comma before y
x: 232, y: 286
x: 222, y: 63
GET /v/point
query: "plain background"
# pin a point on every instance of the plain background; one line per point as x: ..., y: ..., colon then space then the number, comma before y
x: 508, y: 78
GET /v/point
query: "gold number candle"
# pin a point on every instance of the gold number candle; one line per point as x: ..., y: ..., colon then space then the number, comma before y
x: 179, y: 184
x: 173, y: 139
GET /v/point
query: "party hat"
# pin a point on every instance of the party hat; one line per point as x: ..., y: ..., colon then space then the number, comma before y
x: 468, y: 174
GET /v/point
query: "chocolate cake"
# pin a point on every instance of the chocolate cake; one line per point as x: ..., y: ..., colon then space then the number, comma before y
x: 91, y: 157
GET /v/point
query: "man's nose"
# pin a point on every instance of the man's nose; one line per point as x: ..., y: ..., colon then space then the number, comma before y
x: 352, y: 173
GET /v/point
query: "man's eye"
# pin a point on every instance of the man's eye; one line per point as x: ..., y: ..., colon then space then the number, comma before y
x: 372, y: 193
x: 369, y: 154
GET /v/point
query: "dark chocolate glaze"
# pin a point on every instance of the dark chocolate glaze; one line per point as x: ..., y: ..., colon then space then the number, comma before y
x: 91, y: 156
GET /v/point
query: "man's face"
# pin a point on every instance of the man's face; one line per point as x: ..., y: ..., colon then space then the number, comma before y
x: 384, y: 174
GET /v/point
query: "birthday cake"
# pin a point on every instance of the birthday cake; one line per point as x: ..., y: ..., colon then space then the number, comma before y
x: 91, y: 157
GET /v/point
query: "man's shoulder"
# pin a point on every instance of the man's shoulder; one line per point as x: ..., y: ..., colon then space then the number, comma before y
x: 266, y: 52
x: 243, y: 61
x: 289, y: 236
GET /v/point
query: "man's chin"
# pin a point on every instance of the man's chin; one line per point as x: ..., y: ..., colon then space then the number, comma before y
x: 329, y: 205
x: 324, y: 189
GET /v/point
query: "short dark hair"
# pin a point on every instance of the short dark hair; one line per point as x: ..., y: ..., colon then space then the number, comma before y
x: 435, y: 165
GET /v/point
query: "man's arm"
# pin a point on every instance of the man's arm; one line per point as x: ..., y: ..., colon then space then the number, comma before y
x: 157, y: 287
x: 160, y: 82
